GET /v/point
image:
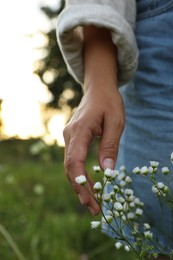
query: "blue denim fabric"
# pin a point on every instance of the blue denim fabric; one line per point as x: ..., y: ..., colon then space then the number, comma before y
x: 149, y: 110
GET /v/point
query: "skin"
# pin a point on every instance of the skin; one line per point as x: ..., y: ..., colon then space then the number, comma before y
x: 100, y: 113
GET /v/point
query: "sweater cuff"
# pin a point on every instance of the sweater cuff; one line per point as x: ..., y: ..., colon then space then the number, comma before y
x: 70, y: 38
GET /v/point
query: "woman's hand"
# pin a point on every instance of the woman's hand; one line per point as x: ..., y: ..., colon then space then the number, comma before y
x: 100, y: 113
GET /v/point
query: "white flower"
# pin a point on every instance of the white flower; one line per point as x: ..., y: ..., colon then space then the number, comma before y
x: 127, y: 248
x: 130, y: 215
x: 126, y: 206
x: 160, y: 185
x: 139, y: 212
x: 128, y: 192
x: 116, y: 172
x: 110, y: 174
x: 96, y: 168
x: 136, y: 170
x: 106, y: 197
x: 128, y: 180
x: 146, y: 226
x: 150, y: 169
x: 154, y: 164
x: 81, y: 179
x: 130, y: 198
x: 97, y: 186
x: 121, y: 200
x: 109, y: 218
x: 95, y: 224
x: 112, y: 194
x: 109, y: 212
x: 137, y: 201
x: 116, y: 214
x: 124, y: 217
x: 118, y: 206
x: 118, y: 245
x: 172, y: 157
x: 132, y: 204
x: 116, y: 188
x: 123, y: 184
x: 148, y: 234
x: 121, y: 176
x: 144, y: 170
x: 166, y: 189
x: 122, y: 168
x: 165, y: 170
x: 155, y: 190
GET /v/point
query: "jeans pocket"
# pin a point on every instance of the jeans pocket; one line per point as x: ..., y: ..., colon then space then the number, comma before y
x: 148, y: 8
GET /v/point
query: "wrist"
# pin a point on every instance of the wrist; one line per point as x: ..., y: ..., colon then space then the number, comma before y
x: 100, y: 59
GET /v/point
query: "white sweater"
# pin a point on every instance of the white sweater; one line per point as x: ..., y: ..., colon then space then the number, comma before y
x: 118, y: 16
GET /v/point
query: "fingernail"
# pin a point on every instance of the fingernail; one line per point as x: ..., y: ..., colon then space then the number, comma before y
x: 81, y: 199
x: 92, y: 210
x: 108, y: 163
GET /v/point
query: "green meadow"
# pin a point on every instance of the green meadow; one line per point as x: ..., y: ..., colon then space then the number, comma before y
x: 40, y: 216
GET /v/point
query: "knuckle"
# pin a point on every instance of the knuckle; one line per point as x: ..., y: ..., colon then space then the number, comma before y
x: 68, y: 163
x: 110, y: 146
x: 75, y: 126
x: 71, y: 128
x: 65, y: 132
x: 119, y: 123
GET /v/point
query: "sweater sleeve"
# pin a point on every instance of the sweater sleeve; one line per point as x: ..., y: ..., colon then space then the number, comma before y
x: 118, y: 16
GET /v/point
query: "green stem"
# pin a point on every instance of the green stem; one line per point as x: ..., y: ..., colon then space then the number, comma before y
x: 11, y: 242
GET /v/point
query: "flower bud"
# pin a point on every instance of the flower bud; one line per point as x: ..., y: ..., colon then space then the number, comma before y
x: 95, y: 224
x: 96, y: 168
x: 81, y: 180
x: 148, y: 234
x: 147, y: 226
x: 109, y: 218
x: 130, y: 215
x: 136, y: 170
x: 139, y: 212
x: 97, y: 186
x: 118, y: 206
x: 106, y: 197
x: 127, y: 248
x: 144, y: 170
x: 128, y: 180
x: 160, y: 185
x: 118, y: 245
x: 165, y: 170
x: 154, y: 164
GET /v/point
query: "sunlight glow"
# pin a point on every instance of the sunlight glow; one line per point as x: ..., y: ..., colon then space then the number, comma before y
x: 56, y: 126
x: 23, y: 94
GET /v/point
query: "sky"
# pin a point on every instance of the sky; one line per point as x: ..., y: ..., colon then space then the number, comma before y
x: 22, y: 92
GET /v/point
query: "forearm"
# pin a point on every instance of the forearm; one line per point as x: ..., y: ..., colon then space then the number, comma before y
x: 100, y: 113
x: 100, y: 62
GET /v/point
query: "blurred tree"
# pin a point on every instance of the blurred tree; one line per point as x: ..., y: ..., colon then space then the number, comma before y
x: 52, y: 70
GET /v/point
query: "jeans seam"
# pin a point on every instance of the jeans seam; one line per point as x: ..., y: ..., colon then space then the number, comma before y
x: 155, y: 12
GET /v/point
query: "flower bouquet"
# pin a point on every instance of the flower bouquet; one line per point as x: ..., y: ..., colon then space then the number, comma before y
x: 122, y: 212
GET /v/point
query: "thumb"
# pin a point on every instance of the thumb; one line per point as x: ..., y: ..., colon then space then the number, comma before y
x: 108, y: 150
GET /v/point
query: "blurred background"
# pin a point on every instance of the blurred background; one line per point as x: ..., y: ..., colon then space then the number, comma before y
x: 40, y: 216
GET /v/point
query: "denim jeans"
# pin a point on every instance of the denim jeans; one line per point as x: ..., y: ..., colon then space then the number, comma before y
x: 148, y: 101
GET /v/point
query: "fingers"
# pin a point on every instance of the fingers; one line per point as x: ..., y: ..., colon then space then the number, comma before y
x: 108, y: 150
x: 77, y: 141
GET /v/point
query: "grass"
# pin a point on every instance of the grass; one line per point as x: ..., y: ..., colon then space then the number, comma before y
x: 41, y: 213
